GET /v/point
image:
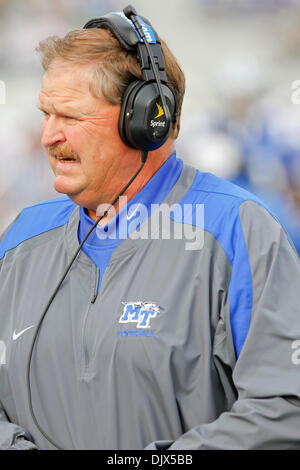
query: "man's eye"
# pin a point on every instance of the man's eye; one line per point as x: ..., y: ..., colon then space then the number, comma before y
x: 69, y: 118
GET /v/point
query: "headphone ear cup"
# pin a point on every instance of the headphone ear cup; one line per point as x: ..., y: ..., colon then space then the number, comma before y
x: 143, y: 123
x: 127, y: 109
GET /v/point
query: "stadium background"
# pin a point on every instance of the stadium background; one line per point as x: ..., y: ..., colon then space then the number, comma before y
x: 240, y: 58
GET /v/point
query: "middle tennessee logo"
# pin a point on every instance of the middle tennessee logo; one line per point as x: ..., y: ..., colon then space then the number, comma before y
x: 139, y: 312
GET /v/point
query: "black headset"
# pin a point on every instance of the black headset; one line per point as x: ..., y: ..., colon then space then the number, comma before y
x: 149, y: 106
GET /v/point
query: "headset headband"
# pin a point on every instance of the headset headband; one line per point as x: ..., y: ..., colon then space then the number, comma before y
x: 124, y: 30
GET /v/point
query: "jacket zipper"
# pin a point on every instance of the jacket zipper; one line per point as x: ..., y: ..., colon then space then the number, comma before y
x: 94, y: 296
x: 96, y: 287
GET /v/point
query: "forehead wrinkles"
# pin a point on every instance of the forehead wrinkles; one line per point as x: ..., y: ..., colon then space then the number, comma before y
x: 63, y: 88
x: 66, y: 84
x: 76, y: 105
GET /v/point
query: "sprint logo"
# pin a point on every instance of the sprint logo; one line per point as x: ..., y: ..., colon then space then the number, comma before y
x: 160, y: 111
x: 139, y: 312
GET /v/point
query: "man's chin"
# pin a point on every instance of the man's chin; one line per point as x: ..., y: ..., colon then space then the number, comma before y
x: 63, y: 186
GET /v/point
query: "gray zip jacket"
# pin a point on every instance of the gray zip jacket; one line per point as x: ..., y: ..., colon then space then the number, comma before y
x: 191, y: 343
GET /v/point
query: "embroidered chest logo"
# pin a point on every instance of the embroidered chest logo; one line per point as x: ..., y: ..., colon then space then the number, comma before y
x: 139, y: 312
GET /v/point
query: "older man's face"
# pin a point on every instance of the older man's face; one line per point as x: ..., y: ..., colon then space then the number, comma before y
x: 80, y: 134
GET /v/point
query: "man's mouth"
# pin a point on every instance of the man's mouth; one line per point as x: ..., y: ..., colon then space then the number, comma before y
x: 66, y: 159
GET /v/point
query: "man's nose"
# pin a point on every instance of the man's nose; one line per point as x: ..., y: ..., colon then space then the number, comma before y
x: 52, y: 132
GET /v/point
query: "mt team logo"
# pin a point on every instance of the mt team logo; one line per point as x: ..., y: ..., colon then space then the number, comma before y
x: 141, y: 313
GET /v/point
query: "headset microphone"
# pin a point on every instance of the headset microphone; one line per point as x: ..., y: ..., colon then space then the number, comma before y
x: 129, y: 10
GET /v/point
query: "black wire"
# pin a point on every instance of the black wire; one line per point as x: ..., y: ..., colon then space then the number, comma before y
x: 144, y: 159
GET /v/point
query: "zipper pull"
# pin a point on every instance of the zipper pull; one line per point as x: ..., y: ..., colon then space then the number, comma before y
x: 96, y: 287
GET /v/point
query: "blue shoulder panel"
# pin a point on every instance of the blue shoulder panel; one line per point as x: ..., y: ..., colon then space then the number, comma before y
x: 221, y: 200
x: 35, y: 220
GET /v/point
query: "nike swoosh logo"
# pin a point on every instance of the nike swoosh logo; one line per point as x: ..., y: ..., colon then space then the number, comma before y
x: 17, y: 335
x: 129, y: 217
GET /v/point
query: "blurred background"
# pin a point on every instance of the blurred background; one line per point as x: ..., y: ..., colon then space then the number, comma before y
x: 240, y: 119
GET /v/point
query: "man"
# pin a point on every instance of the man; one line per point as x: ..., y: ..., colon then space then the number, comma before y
x: 150, y: 341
